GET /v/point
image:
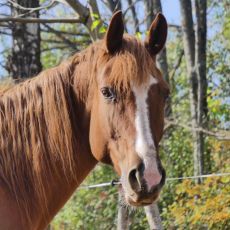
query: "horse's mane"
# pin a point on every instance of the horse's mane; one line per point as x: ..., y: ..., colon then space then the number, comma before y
x: 36, y: 134
x: 37, y: 119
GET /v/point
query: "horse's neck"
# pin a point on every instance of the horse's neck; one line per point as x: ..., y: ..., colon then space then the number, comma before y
x: 59, y: 182
x: 60, y: 185
x: 61, y: 189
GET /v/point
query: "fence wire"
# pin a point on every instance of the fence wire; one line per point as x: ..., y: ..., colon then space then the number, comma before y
x: 117, y: 182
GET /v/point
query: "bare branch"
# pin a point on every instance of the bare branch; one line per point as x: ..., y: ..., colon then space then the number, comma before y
x: 5, y: 33
x: 52, y: 41
x: 81, y: 10
x: 174, y: 26
x: 3, y: 4
x: 6, y: 25
x: 134, y: 15
x: 143, y: 20
x: 4, y: 51
x: 87, y: 16
x: 49, y: 5
x: 65, y: 32
x: 114, y: 5
x: 220, y: 134
x: 177, y: 64
x: 62, y: 37
x: 54, y: 48
x: 130, y: 6
x: 41, y: 20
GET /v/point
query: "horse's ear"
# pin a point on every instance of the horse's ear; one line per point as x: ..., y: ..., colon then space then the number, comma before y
x: 157, y: 34
x: 114, y: 34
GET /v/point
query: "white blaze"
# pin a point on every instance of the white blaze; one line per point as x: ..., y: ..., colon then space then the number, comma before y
x: 144, y: 144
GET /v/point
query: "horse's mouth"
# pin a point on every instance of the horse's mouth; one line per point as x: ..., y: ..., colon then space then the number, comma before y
x: 144, y: 202
x: 144, y: 197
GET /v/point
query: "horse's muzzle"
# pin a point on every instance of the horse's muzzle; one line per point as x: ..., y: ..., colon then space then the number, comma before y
x: 141, y: 194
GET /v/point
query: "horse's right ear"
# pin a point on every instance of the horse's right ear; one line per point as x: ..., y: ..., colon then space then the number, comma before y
x: 157, y: 35
x: 114, y: 34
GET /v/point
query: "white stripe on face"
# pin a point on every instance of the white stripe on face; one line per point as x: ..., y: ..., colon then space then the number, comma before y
x: 144, y: 144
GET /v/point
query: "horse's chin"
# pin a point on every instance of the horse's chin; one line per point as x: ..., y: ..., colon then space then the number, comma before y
x: 145, y: 202
x: 131, y: 199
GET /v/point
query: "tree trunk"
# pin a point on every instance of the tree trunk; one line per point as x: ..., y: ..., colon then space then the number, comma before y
x: 154, y: 7
x: 195, y: 54
x: 153, y: 217
x: 189, y: 47
x: 24, y: 60
x: 123, y: 215
x: 200, y: 64
x: 134, y: 15
x: 149, y: 12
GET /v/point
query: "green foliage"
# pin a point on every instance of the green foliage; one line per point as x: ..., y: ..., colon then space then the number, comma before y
x: 97, y: 24
x: 138, y: 219
x: 91, y: 208
x: 178, y: 157
x: 201, y: 206
x: 138, y: 35
x: 96, y: 208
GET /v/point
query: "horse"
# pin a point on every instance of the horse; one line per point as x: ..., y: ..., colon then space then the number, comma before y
x: 103, y: 104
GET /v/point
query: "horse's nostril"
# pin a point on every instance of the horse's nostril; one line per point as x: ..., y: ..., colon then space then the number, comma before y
x: 136, y: 178
x: 132, y: 177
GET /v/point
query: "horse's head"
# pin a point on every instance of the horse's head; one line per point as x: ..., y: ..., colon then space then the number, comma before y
x: 127, y: 114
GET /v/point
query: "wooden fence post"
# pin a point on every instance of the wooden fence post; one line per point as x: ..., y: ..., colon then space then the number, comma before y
x: 123, y: 215
x: 153, y: 217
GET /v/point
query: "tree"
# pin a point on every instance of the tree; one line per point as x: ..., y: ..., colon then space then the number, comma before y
x: 88, y: 16
x: 24, y: 60
x: 200, y: 65
x: 195, y: 54
x: 152, y: 8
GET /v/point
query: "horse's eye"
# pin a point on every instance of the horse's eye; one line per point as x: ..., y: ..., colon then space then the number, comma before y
x: 108, y: 93
x: 167, y: 99
x: 166, y: 96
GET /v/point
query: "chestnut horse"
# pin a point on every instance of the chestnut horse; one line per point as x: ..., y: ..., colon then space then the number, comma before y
x: 104, y: 104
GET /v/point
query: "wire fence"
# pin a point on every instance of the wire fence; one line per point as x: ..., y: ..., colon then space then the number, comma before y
x: 117, y: 182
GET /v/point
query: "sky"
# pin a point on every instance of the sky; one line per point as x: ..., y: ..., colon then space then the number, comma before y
x: 171, y: 10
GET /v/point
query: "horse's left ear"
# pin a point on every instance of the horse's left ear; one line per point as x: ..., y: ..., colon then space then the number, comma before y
x: 157, y: 35
x: 114, y: 34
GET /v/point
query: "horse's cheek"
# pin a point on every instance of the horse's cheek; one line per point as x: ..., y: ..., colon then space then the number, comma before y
x: 97, y: 139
